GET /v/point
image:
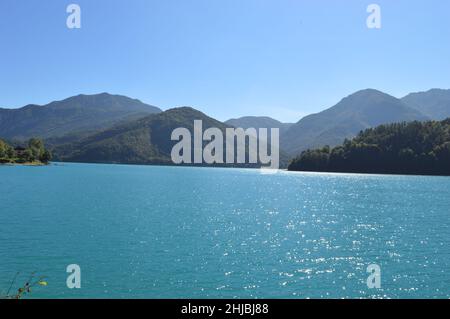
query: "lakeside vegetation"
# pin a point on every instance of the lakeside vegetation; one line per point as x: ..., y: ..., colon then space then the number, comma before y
x: 24, y: 289
x: 419, y: 148
x: 34, y: 153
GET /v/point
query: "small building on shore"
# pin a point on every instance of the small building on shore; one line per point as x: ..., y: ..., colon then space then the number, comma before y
x: 19, y: 150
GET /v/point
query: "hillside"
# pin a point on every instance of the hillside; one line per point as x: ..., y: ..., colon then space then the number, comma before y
x: 259, y: 122
x: 76, y: 116
x: 145, y: 141
x: 113, y: 128
x: 404, y: 148
x: 359, y: 111
x: 434, y: 103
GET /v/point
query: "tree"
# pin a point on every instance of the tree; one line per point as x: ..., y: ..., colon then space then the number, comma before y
x: 3, y: 149
x: 10, y: 153
x: 46, y: 157
x: 37, y: 147
x: 400, y: 148
x: 35, y: 151
x: 28, y: 156
x: 6, y: 151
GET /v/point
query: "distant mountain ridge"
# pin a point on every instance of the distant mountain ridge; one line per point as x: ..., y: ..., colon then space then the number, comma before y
x: 357, y: 112
x: 434, y: 103
x: 84, y: 120
x: 81, y: 113
x: 258, y: 122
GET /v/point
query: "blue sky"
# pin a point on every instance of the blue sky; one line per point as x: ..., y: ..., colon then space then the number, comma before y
x: 227, y: 58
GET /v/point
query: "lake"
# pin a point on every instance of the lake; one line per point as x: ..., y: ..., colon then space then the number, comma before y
x: 182, y: 232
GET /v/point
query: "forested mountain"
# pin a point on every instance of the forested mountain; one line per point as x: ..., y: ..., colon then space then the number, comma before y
x: 359, y: 111
x: 259, y: 122
x: 434, y: 103
x: 404, y: 148
x: 117, y: 129
x: 145, y: 141
x: 76, y: 116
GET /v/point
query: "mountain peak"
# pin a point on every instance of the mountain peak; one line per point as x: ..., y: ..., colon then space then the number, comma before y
x: 185, y: 110
x: 369, y: 91
x: 369, y: 94
x: 358, y: 111
x: 99, y: 96
x: 80, y: 113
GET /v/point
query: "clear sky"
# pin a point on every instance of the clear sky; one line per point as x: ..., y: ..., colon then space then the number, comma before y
x: 227, y: 58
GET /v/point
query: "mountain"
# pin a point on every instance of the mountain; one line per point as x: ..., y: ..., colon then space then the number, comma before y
x: 402, y: 148
x: 434, y: 103
x: 144, y: 141
x: 77, y: 116
x: 359, y: 111
x: 259, y: 122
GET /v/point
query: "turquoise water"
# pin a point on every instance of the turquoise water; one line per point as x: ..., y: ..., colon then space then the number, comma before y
x: 170, y: 232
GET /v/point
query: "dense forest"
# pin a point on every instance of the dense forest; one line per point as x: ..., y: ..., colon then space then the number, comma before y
x: 145, y: 141
x: 33, y: 153
x: 421, y: 148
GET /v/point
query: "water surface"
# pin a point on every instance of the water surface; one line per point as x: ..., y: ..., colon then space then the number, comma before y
x: 180, y: 232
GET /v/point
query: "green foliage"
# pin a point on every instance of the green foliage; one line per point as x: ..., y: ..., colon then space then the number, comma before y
x: 35, y: 152
x: 46, y: 156
x: 24, y: 289
x: 3, y: 147
x: 402, y: 148
x: 36, y: 147
x: 27, y: 156
x: 146, y: 141
x: 359, y: 111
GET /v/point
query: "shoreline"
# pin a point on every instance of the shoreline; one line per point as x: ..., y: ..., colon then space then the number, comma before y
x: 25, y: 164
x: 218, y: 166
x: 285, y: 170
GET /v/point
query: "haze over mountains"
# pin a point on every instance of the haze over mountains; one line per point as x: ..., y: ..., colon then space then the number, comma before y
x: 117, y: 129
